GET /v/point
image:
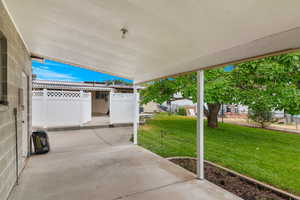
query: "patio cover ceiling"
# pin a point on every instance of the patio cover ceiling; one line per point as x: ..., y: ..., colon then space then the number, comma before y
x: 165, y: 37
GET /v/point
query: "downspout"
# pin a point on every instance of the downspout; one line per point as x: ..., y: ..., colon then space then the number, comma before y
x: 17, y: 149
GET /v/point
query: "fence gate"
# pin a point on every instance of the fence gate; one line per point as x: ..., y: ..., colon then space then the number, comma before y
x: 122, y: 108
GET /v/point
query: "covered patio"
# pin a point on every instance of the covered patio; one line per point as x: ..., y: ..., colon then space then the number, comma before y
x: 141, y: 41
x: 104, y: 164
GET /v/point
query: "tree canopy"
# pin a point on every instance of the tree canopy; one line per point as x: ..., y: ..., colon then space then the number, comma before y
x: 266, y: 84
x: 269, y: 83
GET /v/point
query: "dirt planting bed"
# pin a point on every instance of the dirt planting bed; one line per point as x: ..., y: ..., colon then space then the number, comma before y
x: 244, y: 187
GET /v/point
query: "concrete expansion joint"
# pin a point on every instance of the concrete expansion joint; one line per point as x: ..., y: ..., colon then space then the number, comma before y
x: 153, y: 189
x: 101, y: 139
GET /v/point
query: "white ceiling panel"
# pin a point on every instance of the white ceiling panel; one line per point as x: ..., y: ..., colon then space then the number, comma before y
x: 165, y: 37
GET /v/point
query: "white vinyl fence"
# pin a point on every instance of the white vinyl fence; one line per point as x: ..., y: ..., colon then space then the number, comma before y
x: 122, y: 107
x: 60, y: 108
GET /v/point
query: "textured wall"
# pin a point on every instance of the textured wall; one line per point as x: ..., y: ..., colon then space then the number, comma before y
x: 99, y: 106
x: 18, y: 62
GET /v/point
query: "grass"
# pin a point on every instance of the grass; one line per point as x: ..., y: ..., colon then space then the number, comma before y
x: 269, y: 156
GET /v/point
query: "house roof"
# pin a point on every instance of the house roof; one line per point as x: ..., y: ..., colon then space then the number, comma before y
x: 66, y: 85
x: 165, y: 37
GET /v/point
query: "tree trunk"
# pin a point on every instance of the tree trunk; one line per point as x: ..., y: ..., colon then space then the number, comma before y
x: 212, y: 115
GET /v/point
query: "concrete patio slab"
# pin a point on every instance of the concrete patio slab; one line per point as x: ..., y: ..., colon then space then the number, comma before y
x: 98, y: 121
x: 103, y: 164
x: 115, y: 136
x: 190, y: 190
x: 63, y: 141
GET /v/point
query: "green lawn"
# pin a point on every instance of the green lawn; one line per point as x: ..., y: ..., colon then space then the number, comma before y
x: 269, y: 156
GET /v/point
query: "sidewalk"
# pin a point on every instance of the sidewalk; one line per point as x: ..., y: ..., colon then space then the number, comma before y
x: 275, y: 127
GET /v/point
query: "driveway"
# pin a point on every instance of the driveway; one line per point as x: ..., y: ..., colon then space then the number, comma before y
x: 101, y: 164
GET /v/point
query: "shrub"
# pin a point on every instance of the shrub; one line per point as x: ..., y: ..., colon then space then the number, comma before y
x: 181, y: 111
x: 263, y: 117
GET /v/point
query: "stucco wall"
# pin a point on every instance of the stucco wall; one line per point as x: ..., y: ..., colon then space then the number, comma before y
x: 99, y: 106
x: 18, y: 62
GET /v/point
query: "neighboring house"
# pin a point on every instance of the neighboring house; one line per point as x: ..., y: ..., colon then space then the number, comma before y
x: 174, y: 105
x: 234, y: 111
x: 151, y: 107
x: 241, y: 111
x: 235, y: 108
x: 177, y: 102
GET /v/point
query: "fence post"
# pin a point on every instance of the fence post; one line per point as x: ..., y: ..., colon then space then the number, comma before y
x: 45, y: 114
x: 110, y: 100
x: 81, y: 102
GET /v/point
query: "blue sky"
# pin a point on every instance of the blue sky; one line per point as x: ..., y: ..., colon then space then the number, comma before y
x: 228, y: 68
x: 50, y: 70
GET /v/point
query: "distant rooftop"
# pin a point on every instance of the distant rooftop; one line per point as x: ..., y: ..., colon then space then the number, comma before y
x: 68, y: 85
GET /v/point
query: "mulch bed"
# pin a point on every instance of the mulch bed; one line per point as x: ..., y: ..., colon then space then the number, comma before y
x: 238, y: 185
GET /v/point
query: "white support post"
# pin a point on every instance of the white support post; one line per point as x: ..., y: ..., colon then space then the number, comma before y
x: 136, y: 115
x: 200, y: 124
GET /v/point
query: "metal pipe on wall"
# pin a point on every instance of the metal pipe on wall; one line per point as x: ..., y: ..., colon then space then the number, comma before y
x: 17, y: 148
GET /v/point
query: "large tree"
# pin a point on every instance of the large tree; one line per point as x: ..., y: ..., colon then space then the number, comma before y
x: 269, y: 84
x: 218, y: 90
x: 266, y: 84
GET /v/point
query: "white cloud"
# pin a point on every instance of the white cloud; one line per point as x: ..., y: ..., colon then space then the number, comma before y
x: 45, y: 74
